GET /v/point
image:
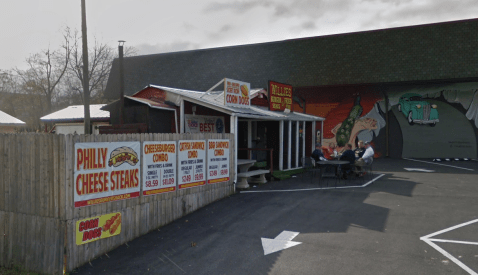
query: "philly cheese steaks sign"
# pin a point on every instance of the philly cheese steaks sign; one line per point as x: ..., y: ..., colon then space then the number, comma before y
x: 159, y: 167
x: 106, y: 171
x: 218, y: 160
x: 192, y: 163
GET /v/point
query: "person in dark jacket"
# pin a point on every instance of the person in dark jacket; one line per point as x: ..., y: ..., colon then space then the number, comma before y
x: 317, y: 155
x: 348, y: 155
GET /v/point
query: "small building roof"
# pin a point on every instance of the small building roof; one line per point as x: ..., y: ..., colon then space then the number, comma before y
x: 215, y: 100
x: 151, y: 103
x: 76, y: 113
x: 8, y: 120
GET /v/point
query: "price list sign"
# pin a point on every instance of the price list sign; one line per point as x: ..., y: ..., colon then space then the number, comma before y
x: 192, y: 163
x: 218, y: 160
x: 159, y: 167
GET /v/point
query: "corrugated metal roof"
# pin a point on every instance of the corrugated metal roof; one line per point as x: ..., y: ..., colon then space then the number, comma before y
x: 77, y: 113
x: 8, y: 120
x: 216, y: 99
x: 151, y: 103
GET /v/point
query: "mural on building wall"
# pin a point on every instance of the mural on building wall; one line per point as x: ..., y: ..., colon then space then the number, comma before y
x: 449, y: 109
x: 349, y: 117
x: 417, y: 110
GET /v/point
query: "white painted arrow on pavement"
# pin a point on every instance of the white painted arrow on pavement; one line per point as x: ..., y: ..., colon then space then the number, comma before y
x: 281, y: 242
x: 419, y: 170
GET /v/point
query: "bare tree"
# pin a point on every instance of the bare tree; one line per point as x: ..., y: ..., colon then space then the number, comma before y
x: 21, y: 99
x: 100, y: 59
x: 46, y: 70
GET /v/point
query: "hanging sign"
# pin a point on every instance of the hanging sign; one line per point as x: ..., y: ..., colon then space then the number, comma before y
x: 280, y: 96
x: 191, y: 163
x: 217, y: 160
x: 204, y: 124
x: 106, y: 171
x: 159, y: 167
x: 100, y: 227
x: 236, y: 93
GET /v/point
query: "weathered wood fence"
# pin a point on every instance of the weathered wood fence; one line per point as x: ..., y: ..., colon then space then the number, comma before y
x: 37, y: 213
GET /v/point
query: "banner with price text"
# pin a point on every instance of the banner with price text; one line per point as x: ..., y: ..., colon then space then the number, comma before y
x: 192, y: 163
x: 159, y: 167
x: 218, y: 160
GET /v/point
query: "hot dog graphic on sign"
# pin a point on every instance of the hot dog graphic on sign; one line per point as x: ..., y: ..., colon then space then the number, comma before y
x: 106, y: 171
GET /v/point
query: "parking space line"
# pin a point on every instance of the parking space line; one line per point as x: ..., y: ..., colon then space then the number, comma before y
x: 441, y: 164
x: 452, y: 241
x: 427, y: 239
x: 318, y: 188
x: 449, y: 256
x: 448, y: 229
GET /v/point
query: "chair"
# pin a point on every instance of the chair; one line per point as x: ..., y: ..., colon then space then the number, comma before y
x: 309, y: 163
x: 367, y: 169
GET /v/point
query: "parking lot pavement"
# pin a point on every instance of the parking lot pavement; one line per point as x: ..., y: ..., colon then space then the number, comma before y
x: 370, y: 230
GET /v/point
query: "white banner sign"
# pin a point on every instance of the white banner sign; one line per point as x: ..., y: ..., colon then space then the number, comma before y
x: 106, y: 171
x: 218, y: 160
x: 192, y: 163
x: 236, y: 93
x: 204, y: 124
x: 159, y: 167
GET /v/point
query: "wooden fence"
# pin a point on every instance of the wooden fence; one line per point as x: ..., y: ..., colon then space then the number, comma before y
x: 37, y: 213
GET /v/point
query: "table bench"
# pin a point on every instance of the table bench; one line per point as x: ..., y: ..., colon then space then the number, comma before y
x: 242, y: 177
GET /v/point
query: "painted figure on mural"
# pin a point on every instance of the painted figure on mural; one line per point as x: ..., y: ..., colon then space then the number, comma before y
x: 356, y: 128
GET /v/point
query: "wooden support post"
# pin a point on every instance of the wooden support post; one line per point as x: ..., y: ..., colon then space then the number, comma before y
x: 281, y: 145
x: 303, y: 140
x: 296, y: 144
x: 289, y: 144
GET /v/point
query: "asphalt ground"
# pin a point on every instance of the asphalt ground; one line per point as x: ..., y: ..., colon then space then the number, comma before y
x: 364, y: 230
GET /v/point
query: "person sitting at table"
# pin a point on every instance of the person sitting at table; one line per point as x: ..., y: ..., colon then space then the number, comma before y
x: 360, y: 150
x: 347, y: 155
x: 330, y: 152
x: 367, y: 156
x: 317, y: 155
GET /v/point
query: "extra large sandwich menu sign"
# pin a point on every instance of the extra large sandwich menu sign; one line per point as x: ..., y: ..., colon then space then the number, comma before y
x: 106, y: 171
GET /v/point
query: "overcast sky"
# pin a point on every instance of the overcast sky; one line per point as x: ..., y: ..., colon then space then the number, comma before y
x: 155, y: 26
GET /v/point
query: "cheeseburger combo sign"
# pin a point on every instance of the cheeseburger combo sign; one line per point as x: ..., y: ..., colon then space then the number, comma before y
x: 106, y: 171
x: 280, y: 96
x: 236, y: 93
x: 159, y: 167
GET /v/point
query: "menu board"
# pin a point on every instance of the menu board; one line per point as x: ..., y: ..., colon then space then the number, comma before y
x: 106, y: 171
x: 218, y: 160
x: 159, y: 167
x: 280, y: 96
x: 236, y: 93
x: 191, y: 163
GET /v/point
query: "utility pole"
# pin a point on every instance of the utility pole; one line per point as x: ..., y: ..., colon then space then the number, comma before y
x: 86, y: 82
x: 121, y: 70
